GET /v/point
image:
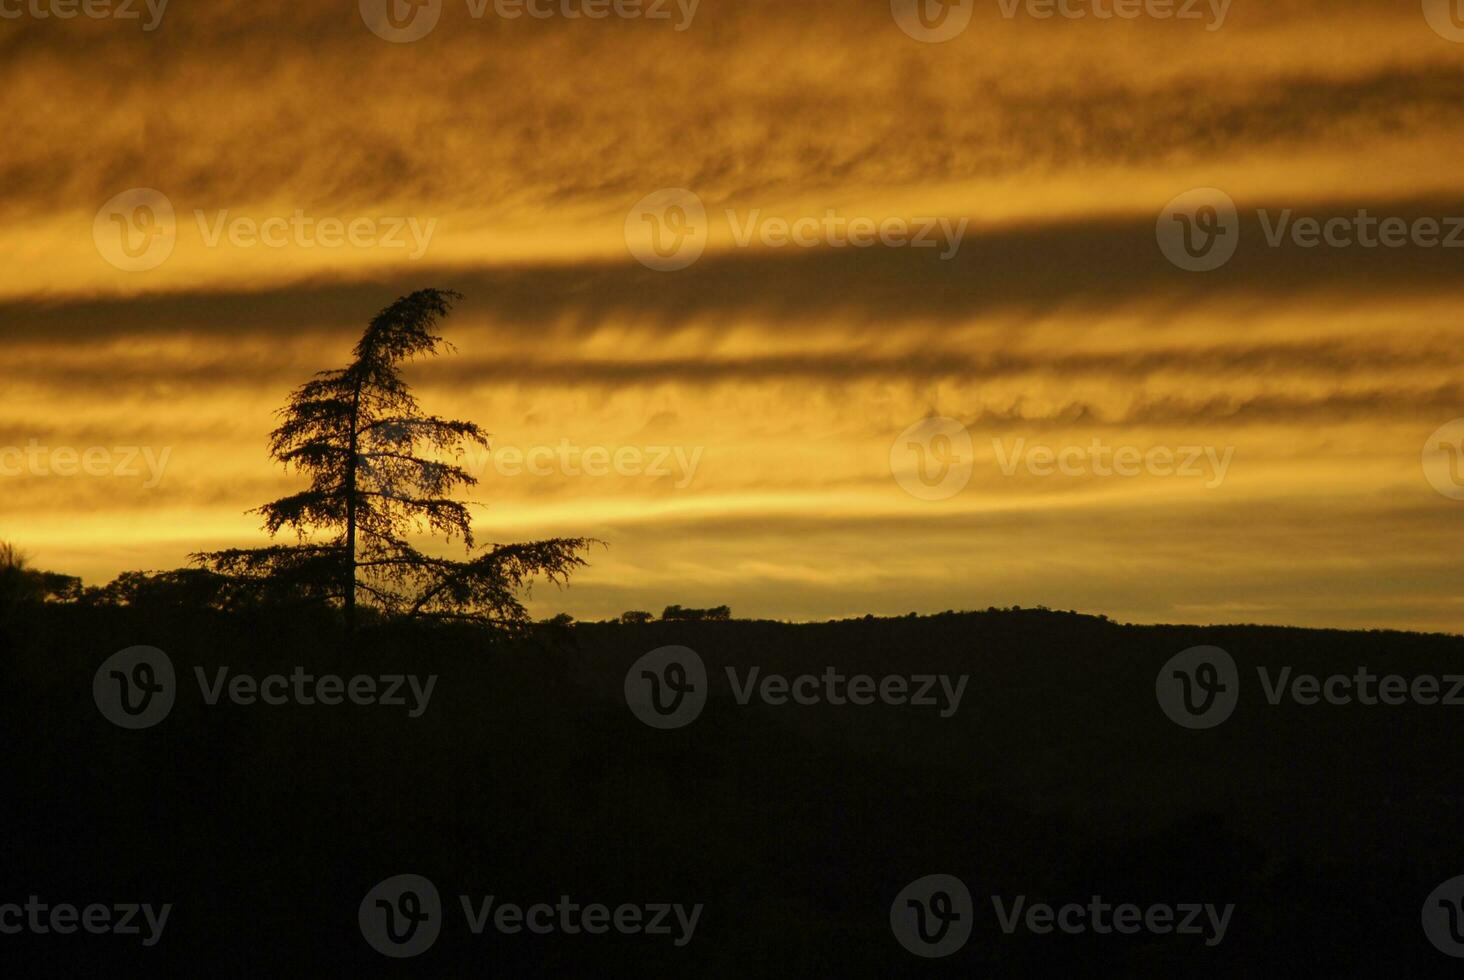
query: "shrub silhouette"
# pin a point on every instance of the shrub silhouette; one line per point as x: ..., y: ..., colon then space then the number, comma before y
x: 717, y: 613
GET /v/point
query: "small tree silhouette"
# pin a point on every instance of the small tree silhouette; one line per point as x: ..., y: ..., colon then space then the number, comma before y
x: 358, y: 431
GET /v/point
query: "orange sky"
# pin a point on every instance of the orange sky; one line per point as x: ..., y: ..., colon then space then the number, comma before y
x: 755, y: 395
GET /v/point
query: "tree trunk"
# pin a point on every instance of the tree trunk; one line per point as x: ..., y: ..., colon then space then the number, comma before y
x: 350, y: 594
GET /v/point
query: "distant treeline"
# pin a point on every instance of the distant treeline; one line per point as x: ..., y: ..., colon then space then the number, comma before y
x: 200, y: 588
x: 715, y: 614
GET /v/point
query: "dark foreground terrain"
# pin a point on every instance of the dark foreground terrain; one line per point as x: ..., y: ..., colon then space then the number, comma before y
x: 527, y: 777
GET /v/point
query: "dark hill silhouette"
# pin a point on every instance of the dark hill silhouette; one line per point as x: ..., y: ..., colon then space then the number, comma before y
x: 528, y: 777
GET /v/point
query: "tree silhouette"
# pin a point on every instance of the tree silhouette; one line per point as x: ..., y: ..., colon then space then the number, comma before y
x: 379, y: 470
x: 19, y: 583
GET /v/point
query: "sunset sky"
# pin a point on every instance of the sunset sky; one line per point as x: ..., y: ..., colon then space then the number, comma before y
x: 520, y: 150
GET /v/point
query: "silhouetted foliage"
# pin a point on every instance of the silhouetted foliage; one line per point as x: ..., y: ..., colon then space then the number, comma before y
x: 635, y: 616
x: 195, y: 588
x: 378, y: 473
x: 720, y: 613
x: 19, y: 583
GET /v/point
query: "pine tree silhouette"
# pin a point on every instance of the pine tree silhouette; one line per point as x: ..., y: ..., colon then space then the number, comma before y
x: 378, y: 472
